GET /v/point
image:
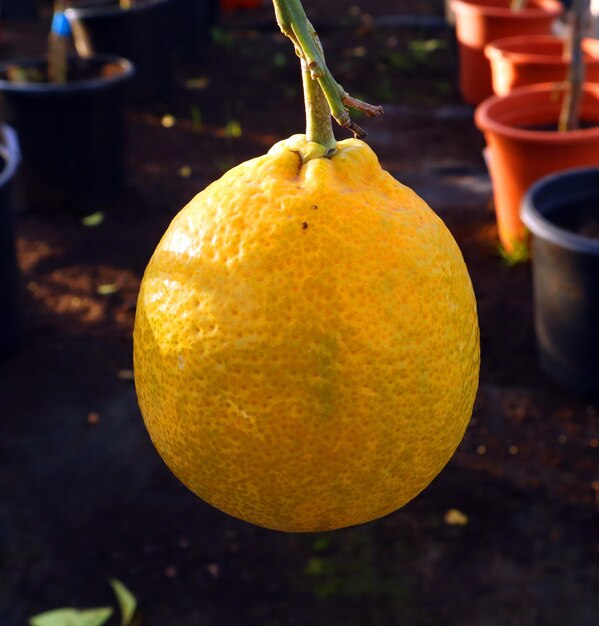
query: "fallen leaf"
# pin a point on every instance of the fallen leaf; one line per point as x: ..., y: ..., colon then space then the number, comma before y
x: 168, y: 121
x: 453, y: 517
x: 72, y: 617
x: 125, y: 374
x: 107, y: 289
x: 197, y: 84
x: 321, y: 543
x: 95, y: 219
x: 233, y: 129
x: 126, y: 600
x: 213, y: 570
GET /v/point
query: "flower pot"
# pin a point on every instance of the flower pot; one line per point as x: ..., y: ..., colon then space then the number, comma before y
x: 479, y: 22
x: 191, y: 24
x: 10, y: 327
x: 562, y: 213
x: 519, y: 61
x: 72, y: 135
x: 519, y: 154
x: 140, y: 34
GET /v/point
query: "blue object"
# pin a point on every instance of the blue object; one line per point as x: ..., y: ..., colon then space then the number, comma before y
x: 60, y: 25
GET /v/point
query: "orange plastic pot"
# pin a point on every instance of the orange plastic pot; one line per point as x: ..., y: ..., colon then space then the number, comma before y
x: 519, y: 61
x: 479, y: 22
x: 520, y: 155
x: 232, y: 5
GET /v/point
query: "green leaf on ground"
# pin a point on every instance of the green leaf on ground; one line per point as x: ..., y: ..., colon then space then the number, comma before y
x: 316, y: 567
x: 221, y: 37
x: 72, y: 617
x: 126, y: 600
x: 107, y: 289
x: 196, y: 117
x: 279, y: 60
x: 321, y: 543
x: 422, y: 49
x: 95, y: 219
x: 233, y: 129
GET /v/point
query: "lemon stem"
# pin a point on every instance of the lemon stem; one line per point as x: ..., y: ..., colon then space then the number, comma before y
x: 319, y: 85
x: 319, y: 127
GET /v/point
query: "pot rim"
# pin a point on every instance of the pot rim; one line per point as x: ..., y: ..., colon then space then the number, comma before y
x: 76, y: 86
x: 11, y: 164
x: 541, y: 227
x: 485, y: 121
x: 100, y: 10
x: 549, y: 7
x: 497, y: 50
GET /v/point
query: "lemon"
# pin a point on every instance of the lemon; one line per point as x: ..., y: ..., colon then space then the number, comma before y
x: 306, y: 344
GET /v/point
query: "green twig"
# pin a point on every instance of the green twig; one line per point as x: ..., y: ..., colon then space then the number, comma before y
x: 293, y: 22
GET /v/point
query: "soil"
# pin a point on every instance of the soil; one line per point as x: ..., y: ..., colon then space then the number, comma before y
x: 86, y: 498
x: 553, y: 127
x: 78, y: 70
x: 589, y: 229
x: 580, y: 219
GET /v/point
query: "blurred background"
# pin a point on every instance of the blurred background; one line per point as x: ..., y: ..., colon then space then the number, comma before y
x: 506, y: 535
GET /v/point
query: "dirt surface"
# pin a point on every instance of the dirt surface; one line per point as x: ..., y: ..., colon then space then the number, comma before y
x: 86, y: 498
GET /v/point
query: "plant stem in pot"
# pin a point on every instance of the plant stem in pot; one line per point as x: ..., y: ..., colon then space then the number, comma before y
x: 570, y: 113
x: 58, y: 45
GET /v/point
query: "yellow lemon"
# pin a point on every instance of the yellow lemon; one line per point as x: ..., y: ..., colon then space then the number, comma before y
x: 306, y: 341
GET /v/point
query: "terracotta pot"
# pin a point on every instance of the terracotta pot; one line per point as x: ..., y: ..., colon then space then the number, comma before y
x: 479, y: 22
x: 519, y: 156
x: 519, y: 61
x: 232, y: 5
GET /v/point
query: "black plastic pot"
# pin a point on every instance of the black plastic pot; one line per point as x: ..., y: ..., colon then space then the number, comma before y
x: 566, y: 275
x: 72, y: 136
x: 141, y: 34
x: 10, y: 327
x: 192, y: 21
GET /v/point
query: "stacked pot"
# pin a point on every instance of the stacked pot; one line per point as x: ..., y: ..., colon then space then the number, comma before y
x: 513, y: 70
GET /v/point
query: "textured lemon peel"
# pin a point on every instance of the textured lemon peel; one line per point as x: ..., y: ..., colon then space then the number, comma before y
x: 329, y: 371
